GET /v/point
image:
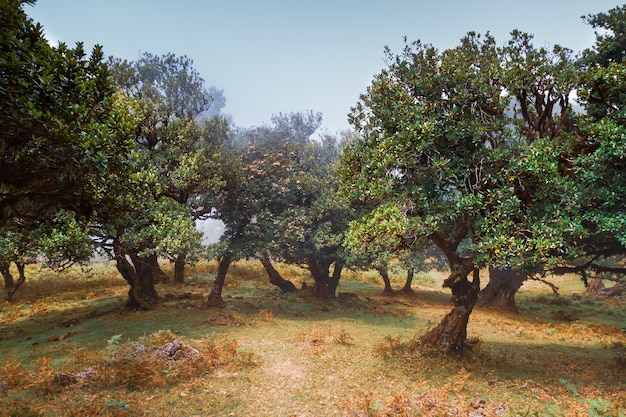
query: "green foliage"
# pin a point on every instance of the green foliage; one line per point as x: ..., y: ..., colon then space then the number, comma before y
x: 178, y: 163
x: 452, y: 145
x: 281, y: 199
x: 599, y: 157
x: 59, y: 128
x: 598, y: 407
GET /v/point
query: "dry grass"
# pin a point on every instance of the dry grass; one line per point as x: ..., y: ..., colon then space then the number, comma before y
x: 68, y: 348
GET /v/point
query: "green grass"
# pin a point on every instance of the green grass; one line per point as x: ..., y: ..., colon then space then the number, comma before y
x: 268, y: 353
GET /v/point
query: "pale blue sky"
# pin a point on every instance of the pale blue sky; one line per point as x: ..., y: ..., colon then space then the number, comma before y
x: 289, y: 55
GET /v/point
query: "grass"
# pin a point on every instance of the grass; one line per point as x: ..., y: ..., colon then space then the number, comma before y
x: 69, y: 348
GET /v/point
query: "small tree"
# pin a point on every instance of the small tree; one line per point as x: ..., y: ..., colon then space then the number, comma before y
x: 281, y: 203
x: 57, y: 241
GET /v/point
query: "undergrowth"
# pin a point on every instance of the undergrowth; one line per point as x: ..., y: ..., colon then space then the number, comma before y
x: 160, y: 360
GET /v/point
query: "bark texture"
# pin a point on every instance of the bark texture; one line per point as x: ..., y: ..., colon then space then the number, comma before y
x: 215, y: 296
x: 325, y: 284
x: 409, y: 280
x: 275, y: 277
x: 179, y: 268
x: 499, y: 294
x: 451, y: 333
x: 9, y: 283
x: 5, y: 270
x: 597, y: 289
x: 384, y: 274
x: 140, y: 274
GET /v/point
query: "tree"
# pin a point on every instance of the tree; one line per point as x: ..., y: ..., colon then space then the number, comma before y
x: 258, y: 187
x: 62, y: 138
x: 56, y: 129
x: 57, y: 241
x: 282, y: 204
x: 150, y: 210
x: 182, y: 145
x: 540, y: 83
x: 599, y: 164
x: 443, y: 159
x: 310, y: 229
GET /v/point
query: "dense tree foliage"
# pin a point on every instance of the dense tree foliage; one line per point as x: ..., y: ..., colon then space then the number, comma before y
x: 283, y: 205
x: 177, y: 163
x: 600, y: 162
x: 63, y: 137
x: 457, y: 148
x: 57, y: 121
x: 310, y: 231
x: 474, y: 152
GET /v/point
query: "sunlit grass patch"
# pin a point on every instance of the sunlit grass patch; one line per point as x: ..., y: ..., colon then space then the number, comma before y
x: 320, y: 337
x: 73, y: 283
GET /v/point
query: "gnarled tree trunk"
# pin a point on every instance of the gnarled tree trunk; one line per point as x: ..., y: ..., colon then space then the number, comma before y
x: 320, y: 268
x: 333, y: 283
x: 500, y: 291
x: 451, y: 333
x: 159, y: 274
x: 140, y: 275
x: 596, y: 289
x: 215, y: 297
x: 385, y: 276
x: 5, y: 270
x: 409, y: 280
x: 179, y: 268
x: 275, y: 277
x: 21, y: 266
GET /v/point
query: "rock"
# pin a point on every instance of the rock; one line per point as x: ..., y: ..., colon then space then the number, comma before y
x: 478, y: 403
x: 175, y: 351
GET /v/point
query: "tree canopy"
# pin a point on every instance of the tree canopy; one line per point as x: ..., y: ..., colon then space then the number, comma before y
x: 460, y: 147
x: 59, y: 125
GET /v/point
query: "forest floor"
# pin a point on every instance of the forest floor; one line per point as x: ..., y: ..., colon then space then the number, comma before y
x: 68, y: 348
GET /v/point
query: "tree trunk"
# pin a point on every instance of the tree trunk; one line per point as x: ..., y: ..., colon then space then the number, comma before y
x: 451, y: 333
x: 140, y: 275
x: 596, y: 289
x: 22, y: 278
x: 409, y: 280
x: 215, y: 297
x: 179, y: 268
x: 614, y: 291
x: 333, y: 283
x: 319, y: 270
x: 159, y: 275
x: 385, y: 276
x: 5, y: 270
x: 275, y: 277
x: 500, y: 292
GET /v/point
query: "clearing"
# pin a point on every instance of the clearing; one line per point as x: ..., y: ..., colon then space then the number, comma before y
x: 69, y: 348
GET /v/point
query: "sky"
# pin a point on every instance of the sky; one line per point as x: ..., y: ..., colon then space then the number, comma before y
x: 281, y: 56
